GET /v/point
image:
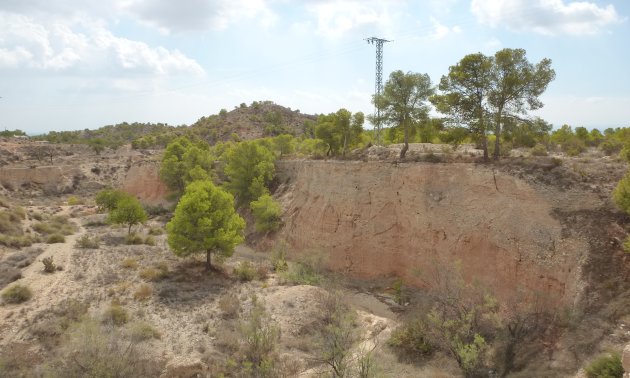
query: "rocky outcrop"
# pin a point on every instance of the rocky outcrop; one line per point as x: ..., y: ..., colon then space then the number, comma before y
x: 143, y: 181
x: 52, y: 179
x: 378, y: 219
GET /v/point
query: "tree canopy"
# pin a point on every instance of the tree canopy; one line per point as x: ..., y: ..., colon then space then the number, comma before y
x: 403, y: 102
x: 128, y: 211
x: 339, y: 130
x: 249, y: 167
x: 185, y: 161
x: 205, y: 221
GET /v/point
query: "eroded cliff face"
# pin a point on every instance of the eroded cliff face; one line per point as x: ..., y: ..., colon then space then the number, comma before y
x: 380, y: 219
x: 143, y: 181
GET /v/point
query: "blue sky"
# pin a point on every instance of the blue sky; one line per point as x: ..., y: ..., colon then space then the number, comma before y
x: 76, y: 64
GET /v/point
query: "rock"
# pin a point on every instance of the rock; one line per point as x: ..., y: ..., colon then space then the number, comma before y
x: 184, y: 367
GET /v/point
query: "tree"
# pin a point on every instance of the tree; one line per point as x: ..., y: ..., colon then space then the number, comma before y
x: 266, y: 213
x: 340, y: 130
x: 403, y: 102
x: 516, y: 87
x: 205, y: 221
x: 128, y: 211
x: 464, y: 95
x: 621, y: 194
x: 97, y: 144
x: 180, y: 162
x: 107, y: 199
x: 250, y: 168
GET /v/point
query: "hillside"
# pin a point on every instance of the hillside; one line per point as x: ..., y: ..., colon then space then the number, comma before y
x: 260, y: 119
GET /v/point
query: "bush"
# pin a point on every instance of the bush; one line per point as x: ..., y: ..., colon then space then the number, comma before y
x: 49, y: 265
x: 538, y: 150
x: 86, y: 241
x: 266, y: 213
x: 605, y: 366
x: 17, y: 294
x: 153, y: 274
x: 149, y: 240
x: 230, y: 306
x: 611, y: 147
x: 74, y: 200
x: 142, y: 331
x: 410, y: 338
x: 55, y: 238
x: 245, y: 271
x: 156, y: 231
x: 134, y: 239
x: 143, y: 293
x: 306, y: 272
x: 115, y: 315
x: 129, y: 263
x: 278, y: 260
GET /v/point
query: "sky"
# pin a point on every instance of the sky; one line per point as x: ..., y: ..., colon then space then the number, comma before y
x: 83, y: 64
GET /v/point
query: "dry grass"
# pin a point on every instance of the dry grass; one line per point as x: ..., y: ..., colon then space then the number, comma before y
x: 144, y: 292
x: 129, y: 263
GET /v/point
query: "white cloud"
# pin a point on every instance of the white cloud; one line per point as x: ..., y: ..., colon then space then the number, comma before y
x: 335, y: 18
x: 86, y: 46
x: 175, y: 16
x: 441, y: 31
x: 547, y: 17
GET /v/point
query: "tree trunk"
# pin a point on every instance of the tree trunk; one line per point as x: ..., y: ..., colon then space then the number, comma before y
x: 345, y: 143
x: 497, y: 134
x: 208, y: 261
x: 406, y: 146
x: 129, y: 229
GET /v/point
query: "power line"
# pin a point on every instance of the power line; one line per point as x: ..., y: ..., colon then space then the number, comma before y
x: 378, y: 86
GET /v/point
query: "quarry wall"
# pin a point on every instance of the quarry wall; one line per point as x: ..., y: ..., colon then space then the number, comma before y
x: 382, y: 219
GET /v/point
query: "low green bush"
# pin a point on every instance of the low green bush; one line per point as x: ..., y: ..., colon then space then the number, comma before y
x: 115, y: 314
x: 55, y: 238
x: 134, y: 239
x: 538, y: 150
x: 410, y: 338
x: 87, y: 242
x: 17, y: 293
x: 142, y: 331
x: 605, y: 366
x: 49, y: 265
x: 245, y: 271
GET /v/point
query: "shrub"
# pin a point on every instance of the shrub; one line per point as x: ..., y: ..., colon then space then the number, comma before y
x: 17, y: 294
x: 143, y: 293
x: 142, y: 331
x: 133, y: 239
x: 266, y: 213
x: 260, y: 337
x: 538, y: 150
x: 278, y: 260
x: 400, y: 296
x: 55, y: 225
x: 49, y: 265
x: 55, y: 238
x: 153, y: 274
x: 305, y: 272
x: 86, y: 241
x: 115, y: 314
x: 230, y: 306
x: 156, y: 231
x: 149, y: 240
x: 129, y: 263
x: 245, y: 271
x: 611, y: 147
x: 605, y: 366
x: 410, y: 338
x: 74, y: 200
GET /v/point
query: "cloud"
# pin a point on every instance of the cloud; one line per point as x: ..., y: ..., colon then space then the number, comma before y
x: 548, y: 17
x: 59, y: 45
x: 441, y: 31
x: 335, y: 18
x: 174, y: 16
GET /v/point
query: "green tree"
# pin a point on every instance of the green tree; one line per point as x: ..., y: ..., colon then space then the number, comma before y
x: 107, y: 199
x: 128, y: 211
x: 266, y: 213
x: 516, y: 87
x: 249, y: 168
x: 464, y: 96
x: 180, y: 162
x: 97, y: 144
x: 621, y: 194
x: 340, y: 130
x: 403, y: 102
x: 205, y: 221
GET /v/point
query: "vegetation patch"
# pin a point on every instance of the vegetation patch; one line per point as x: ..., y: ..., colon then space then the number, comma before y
x: 16, y: 293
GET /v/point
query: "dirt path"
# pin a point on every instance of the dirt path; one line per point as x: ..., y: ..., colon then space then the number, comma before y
x: 48, y: 289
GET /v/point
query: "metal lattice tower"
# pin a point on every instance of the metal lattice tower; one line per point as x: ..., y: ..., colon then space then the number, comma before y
x: 378, y: 87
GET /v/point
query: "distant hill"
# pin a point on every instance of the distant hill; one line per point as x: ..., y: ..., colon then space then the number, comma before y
x: 260, y: 119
